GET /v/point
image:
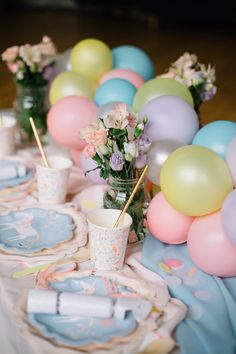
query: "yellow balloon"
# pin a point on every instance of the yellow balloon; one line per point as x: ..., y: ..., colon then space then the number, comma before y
x: 91, y: 57
x: 195, y: 180
x: 160, y: 87
x: 69, y: 83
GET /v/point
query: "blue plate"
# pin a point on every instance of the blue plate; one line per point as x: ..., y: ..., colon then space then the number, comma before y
x: 12, y: 182
x: 77, y: 330
x: 33, y: 229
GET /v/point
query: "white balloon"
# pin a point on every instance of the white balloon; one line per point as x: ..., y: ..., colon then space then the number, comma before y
x: 157, y: 155
x: 63, y: 62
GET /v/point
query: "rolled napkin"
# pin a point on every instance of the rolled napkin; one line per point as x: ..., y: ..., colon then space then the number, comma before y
x: 74, y: 304
x: 9, y: 171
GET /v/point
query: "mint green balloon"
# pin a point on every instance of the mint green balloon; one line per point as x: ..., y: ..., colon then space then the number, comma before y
x: 160, y: 87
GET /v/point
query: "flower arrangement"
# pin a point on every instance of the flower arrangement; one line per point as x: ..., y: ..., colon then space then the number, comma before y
x: 28, y: 63
x: 117, y: 143
x: 196, y: 76
x: 119, y: 146
x: 32, y: 67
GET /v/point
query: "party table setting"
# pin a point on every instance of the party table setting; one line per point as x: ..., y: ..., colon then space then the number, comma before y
x: 117, y: 206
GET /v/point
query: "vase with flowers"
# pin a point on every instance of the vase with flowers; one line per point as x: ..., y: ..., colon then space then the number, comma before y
x: 118, y: 145
x: 199, y: 78
x: 31, y: 66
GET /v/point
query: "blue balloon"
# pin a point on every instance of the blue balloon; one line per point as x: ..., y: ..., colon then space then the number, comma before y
x: 133, y: 58
x: 115, y: 90
x: 216, y: 136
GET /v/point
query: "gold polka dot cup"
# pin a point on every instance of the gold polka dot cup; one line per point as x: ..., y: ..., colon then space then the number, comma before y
x: 107, y: 243
x: 52, y: 181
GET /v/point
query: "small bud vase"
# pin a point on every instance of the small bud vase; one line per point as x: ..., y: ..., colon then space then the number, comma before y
x: 31, y: 101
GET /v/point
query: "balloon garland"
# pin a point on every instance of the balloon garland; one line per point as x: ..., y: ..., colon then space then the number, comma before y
x: 194, y: 168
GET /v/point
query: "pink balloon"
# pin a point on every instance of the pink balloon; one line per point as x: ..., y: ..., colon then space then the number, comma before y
x: 166, y: 223
x: 76, y: 155
x: 210, y: 248
x: 87, y: 164
x: 125, y: 74
x: 67, y: 117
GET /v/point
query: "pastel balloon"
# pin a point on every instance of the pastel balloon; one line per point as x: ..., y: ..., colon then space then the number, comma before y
x: 76, y: 155
x: 228, y: 216
x: 105, y: 109
x: 216, y: 136
x: 67, y: 117
x: 115, y: 90
x: 160, y: 87
x: 210, y: 248
x: 91, y: 57
x: 157, y: 155
x: 63, y: 62
x: 170, y: 117
x: 230, y: 158
x: 133, y: 58
x: 87, y: 164
x: 166, y: 223
x: 155, y: 189
x: 195, y: 180
x: 70, y: 83
x: 126, y: 74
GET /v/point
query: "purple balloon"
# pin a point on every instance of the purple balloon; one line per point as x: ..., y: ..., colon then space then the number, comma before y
x: 170, y: 117
x: 230, y: 158
x: 87, y: 164
x: 228, y: 216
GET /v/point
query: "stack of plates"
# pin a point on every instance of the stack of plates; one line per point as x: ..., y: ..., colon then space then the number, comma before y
x: 16, y: 188
x: 85, y: 334
x: 41, y: 233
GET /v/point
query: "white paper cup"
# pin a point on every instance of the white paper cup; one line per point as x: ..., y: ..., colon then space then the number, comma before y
x: 108, y: 244
x: 7, y: 136
x: 52, y: 181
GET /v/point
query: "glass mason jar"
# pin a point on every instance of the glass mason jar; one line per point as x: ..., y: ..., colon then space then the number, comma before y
x: 118, y: 193
x: 31, y: 101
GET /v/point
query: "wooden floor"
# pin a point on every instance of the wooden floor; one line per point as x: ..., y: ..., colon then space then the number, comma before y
x: 162, y: 43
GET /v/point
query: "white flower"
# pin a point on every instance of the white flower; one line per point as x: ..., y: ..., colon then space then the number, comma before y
x: 30, y: 54
x: 103, y: 149
x: 169, y: 75
x: 20, y: 75
x: 118, y: 118
x: 131, y: 149
x: 185, y: 61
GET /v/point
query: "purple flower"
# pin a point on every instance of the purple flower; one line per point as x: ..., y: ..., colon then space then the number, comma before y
x: 141, y: 161
x: 208, y: 93
x: 117, y: 161
x: 144, y: 143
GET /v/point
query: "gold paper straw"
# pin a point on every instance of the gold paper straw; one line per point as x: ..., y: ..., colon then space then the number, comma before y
x: 131, y: 197
x: 39, y: 142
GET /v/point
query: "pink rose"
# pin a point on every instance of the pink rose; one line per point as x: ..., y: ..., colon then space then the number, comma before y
x: 98, y: 137
x: 132, y: 121
x: 94, y: 136
x: 10, y: 54
x: 13, y: 67
x: 90, y: 150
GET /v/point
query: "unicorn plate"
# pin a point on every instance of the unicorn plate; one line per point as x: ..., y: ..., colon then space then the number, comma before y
x: 78, y: 330
x: 12, y: 182
x: 34, y: 229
